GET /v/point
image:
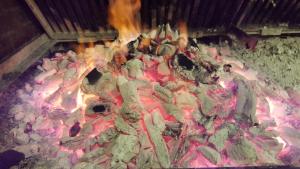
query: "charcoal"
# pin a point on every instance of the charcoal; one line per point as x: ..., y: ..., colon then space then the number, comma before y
x: 232, y: 129
x: 145, y: 159
x: 227, y: 67
x: 158, y: 121
x: 85, y: 165
x: 92, y: 155
x: 185, y: 62
x: 202, y: 139
x: 165, y: 50
x: 173, y: 129
x: 163, y: 93
x: 124, y: 149
x: 198, y: 117
x: 10, y: 158
x: 246, y: 100
x: 74, y: 130
x: 242, y: 152
x: 130, y: 112
x: 211, y: 154
x: 207, y: 104
x: 124, y: 127
x: 28, y: 128
x: 135, y: 67
x: 72, y: 142
x: 97, y: 108
x: 107, y: 135
x: 158, y: 141
x: 163, y: 69
x: 209, y: 125
x: 144, y: 141
x: 106, y: 83
x: 174, y: 111
x: 219, y: 138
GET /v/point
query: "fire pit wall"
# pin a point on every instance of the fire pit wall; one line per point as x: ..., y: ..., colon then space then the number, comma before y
x: 161, y: 100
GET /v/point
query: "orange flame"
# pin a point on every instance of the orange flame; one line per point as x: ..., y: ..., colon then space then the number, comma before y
x: 183, y: 36
x: 123, y: 17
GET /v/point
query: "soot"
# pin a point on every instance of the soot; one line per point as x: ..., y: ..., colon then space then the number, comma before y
x: 185, y: 62
x: 94, y: 76
x: 99, y: 108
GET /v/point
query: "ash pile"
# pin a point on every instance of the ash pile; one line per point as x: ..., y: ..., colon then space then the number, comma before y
x: 164, y: 101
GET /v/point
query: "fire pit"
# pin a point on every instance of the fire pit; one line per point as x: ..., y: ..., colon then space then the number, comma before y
x: 156, y: 99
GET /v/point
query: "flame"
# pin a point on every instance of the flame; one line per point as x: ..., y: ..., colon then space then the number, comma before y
x: 183, y: 36
x: 123, y: 17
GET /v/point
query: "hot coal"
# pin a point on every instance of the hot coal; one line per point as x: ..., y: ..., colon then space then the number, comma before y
x: 10, y: 158
x: 227, y: 67
x: 28, y: 127
x: 99, y: 108
x: 74, y: 130
x: 185, y: 62
x: 94, y: 76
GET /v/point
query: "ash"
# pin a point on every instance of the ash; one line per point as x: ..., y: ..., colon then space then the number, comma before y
x: 162, y: 101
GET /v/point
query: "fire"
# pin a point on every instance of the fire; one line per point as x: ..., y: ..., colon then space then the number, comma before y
x: 123, y: 17
x: 183, y: 37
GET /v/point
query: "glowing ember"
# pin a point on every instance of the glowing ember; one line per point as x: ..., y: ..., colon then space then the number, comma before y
x: 160, y: 108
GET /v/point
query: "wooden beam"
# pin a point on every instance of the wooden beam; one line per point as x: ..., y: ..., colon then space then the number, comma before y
x: 39, y: 15
x: 18, y: 63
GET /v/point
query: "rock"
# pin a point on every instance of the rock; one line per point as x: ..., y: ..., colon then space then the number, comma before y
x: 158, y: 142
x: 174, y: 111
x: 124, y: 127
x: 242, y: 152
x: 211, y: 154
x: 163, y: 93
x: 219, y: 138
x: 124, y: 149
x: 163, y: 69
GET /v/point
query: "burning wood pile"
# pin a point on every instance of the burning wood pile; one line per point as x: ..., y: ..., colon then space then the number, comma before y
x: 161, y: 101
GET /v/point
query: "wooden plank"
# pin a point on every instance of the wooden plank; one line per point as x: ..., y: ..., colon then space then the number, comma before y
x: 38, y: 14
x: 13, y: 67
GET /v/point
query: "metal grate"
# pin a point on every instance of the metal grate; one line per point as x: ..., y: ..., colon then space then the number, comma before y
x: 73, y: 19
